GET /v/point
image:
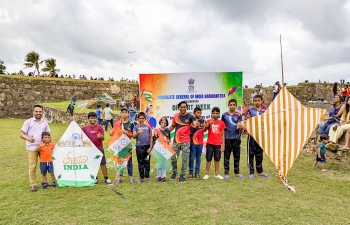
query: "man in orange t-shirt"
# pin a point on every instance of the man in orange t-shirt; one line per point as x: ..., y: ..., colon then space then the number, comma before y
x: 215, y: 142
x: 46, y: 165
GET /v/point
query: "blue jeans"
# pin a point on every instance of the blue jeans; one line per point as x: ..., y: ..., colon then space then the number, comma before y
x: 100, y: 121
x: 195, y: 152
x: 108, y: 121
x: 274, y: 95
x: 161, y: 172
x: 132, y: 118
x: 324, y: 129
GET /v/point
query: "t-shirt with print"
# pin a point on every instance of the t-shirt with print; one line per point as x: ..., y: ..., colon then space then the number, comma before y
x: 144, y: 138
x: 215, y: 132
x: 254, y: 112
x: 182, y: 127
x: 98, y: 113
x: 165, y: 133
x: 197, y: 133
x: 231, y: 122
x: 323, y: 148
x: 46, y: 152
x: 91, y: 132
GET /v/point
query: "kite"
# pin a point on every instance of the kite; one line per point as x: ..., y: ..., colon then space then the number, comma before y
x: 162, y: 151
x: 75, y: 158
x: 283, y: 130
x: 120, y: 144
x: 132, y: 52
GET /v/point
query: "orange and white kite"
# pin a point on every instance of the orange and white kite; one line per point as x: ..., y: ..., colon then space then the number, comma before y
x: 283, y: 130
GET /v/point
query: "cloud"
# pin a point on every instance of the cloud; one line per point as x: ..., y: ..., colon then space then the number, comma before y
x: 87, y: 37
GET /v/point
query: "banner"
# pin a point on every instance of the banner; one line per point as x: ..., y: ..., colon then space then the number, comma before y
x: 160, y: 93
x: 75, y: 158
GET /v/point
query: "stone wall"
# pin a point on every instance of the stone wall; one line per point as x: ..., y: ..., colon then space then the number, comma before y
x: 304, y: 92
x: 53, y: 115
x: 18, y: 94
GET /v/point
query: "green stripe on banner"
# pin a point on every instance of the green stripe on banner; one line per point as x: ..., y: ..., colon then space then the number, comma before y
x: 173, y: 133
x: 72, y: 183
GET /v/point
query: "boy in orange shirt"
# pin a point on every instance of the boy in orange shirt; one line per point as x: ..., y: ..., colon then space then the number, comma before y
x: 46, y: 165
x: 215, y: 142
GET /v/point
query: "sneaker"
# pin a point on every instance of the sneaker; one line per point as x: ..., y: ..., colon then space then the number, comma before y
x: 149, y: 180
x: 140, y: 181
x: 173, y: 177
x: 118, y: 181
x: 44, y: 186
x: 226, y: 177
x: 108, y: 181
x: 182, y: 179
x: 96, y: 181
x: 205, y: 177
x: 33, y: 188
x: 219, y: 177
x: 190, y: 176
x: 198, y: 177
x: 159, y: 179
x: 132, y: 180
x: 163, y: 180
x: 54, y: 185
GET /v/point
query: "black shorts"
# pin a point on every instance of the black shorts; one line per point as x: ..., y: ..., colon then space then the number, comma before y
x: 213, y: 150
x: 103, y: 161
x: 322, y: 159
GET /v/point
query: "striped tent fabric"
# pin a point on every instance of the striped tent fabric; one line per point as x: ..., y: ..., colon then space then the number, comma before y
x: 284, y: 129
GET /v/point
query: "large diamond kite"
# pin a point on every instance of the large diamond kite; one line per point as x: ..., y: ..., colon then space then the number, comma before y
x: 283, y: 130
x: 75, y: 158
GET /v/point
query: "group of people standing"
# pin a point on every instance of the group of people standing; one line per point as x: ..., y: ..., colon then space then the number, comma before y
x: 224, y: 136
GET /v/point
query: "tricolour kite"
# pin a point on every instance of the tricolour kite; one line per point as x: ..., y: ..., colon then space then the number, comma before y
x: 162, y: 151
x: 283, y: 130
x: 75, y: 158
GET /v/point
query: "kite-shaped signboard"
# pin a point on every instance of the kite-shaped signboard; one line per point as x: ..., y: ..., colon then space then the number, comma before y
x: 283, y: 130
x: 76, y: 159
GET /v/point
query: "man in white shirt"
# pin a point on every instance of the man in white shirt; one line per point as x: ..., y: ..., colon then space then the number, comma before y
x: 108, y: 116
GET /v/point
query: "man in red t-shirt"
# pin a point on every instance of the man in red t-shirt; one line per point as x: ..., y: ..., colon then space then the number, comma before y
x: 95, y: 133
x: 182, y: 123
x: 215, y: 142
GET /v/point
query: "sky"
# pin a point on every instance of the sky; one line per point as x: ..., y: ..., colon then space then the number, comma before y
x: 94, y: 38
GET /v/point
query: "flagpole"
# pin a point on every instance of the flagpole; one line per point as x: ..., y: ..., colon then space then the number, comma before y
x: 281, y: 60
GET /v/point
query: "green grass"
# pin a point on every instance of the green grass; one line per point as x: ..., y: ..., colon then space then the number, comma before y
x: 321, y: 198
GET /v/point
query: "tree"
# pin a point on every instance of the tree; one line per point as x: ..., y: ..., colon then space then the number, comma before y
x: 50, y: 66
x: 32, y: 60
x: 2, y: 67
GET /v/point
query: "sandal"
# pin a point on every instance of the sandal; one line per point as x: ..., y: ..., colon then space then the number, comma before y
x: 132, y: 180
x: 198, y: 177
x: 265, y: 175
x: 251, y: 177
x: 226, y: 177
x: 190, y: 176
x: 140, y: 181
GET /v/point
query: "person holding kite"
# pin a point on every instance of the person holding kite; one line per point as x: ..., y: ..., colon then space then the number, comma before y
x: 181, y: 122
x: 254, y: 150
x: 163, y: 136
x: 232, y: 120
x: 144, y: 141
x: 95, y: 133
x: 127, y: 128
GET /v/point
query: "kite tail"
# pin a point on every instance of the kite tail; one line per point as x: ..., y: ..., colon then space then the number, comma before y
x: 285, y: 182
